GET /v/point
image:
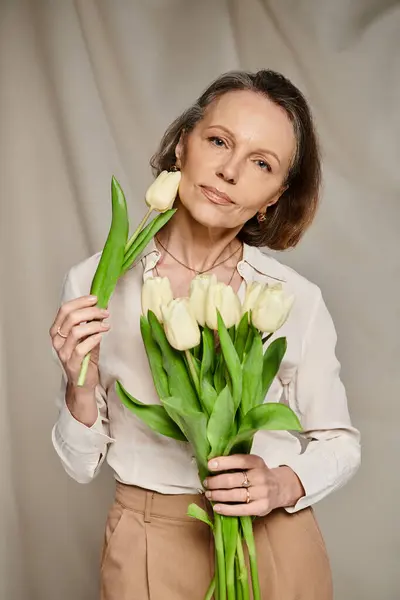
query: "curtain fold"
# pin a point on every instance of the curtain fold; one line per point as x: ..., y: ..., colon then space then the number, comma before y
x: 86, y: 90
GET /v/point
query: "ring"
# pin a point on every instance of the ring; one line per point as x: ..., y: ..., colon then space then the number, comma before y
x: 61, y: 334
x: 246, y: 483
x: 248, y: 495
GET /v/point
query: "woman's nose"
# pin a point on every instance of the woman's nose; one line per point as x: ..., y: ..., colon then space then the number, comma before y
x: 228, y: 172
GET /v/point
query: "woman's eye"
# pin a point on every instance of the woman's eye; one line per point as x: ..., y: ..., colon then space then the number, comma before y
x: 217, y: 141
x: 264, y: 165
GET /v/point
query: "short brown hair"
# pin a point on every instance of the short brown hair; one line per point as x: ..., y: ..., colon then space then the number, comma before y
x: 288, y: 219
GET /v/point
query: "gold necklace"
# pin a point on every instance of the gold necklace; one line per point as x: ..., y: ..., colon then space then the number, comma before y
x: 213, y: 266
x: 205, y: 270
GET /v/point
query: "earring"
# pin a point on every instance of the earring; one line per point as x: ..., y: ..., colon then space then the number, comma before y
x: 175, y: 168
x: 261, y: 217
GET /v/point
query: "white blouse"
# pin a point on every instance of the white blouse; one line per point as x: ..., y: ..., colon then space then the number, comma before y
x: 324, y: 456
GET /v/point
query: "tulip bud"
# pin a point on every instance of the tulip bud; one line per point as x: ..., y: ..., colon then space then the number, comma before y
x: 180, y: 326
x: 253, y: 290
x: 161, y: 194
x: 222, y: 297
x: 198, y: 296
x: 271, y: 309
x: 156, y: 292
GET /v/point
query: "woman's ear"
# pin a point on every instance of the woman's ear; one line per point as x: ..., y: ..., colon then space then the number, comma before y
x: 275, y: 198
x: 179, y: 149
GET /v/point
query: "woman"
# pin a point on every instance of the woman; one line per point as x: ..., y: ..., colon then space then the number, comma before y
x: 250, y: 168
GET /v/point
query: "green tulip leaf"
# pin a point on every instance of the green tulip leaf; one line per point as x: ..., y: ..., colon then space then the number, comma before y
x: 271, y: 416
x: 221, y: 422
x: 272, y: 361
x: 154, y: 415
x: 208, y: 395
x: 179, y: 380
x: 231, y: 360
x: 144, y: 238
x: 241, y: 335
x: 193, y: 424
x: 249, y: 340
x: 219, y: 374
x: 200, y: 514
x: 155, y: 358
x: 252, y: 375
x: 207, y: 363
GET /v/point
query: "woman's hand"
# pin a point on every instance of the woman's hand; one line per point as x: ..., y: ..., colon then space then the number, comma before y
x: 267, y: 488
x: 78, y: 329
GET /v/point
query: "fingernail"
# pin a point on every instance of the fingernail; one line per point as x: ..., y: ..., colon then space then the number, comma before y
x: 213, y: 464
x: 92, y: 297
x: 105, y: 325
x: 216, y: 507
x: 105, y: 312
x: 205, y: 483
x: 208, y: 494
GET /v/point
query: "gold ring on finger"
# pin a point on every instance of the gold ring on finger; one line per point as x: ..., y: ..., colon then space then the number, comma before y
x: 245, y: 483
x: 247, y: 495
x: 61, y: 334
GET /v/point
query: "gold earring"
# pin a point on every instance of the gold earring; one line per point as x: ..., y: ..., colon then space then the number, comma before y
x: 261, y: 217
x: 175, y: 168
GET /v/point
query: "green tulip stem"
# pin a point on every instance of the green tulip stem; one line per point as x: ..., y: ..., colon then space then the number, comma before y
x: 239, y: 589
x: 247, y: 527
x: 220, y: 556
x: 138, y: 230
x: 210, y: 591
x: 193, y: 371
x: 243, y: 582
x: 84, y: 369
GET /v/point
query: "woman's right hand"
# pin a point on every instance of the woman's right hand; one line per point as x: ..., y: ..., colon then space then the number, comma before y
x: 81, y: 321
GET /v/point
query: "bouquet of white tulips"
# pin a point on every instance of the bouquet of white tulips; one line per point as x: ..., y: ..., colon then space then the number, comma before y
x: 212, y: 369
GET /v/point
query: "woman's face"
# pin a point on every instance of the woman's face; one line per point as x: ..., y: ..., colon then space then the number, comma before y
x: 235, y: 160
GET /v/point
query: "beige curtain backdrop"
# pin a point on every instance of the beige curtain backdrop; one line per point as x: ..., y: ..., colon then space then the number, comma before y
x: 86, y: 90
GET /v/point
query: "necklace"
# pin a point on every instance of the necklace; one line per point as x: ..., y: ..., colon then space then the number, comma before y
x: 205, y: 270
x: 213, y: 266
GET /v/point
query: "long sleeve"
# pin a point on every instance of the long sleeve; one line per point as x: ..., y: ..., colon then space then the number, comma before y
x: 317, y: 395
x: 81, y: 449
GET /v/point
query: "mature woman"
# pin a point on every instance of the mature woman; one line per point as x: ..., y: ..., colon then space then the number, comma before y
x: 250, y: 167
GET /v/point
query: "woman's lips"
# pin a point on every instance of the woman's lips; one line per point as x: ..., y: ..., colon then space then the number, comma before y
x: 215, y: 196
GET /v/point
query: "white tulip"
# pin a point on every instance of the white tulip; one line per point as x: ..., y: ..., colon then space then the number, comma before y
x: 253, y: 290
x: 198, y: 296
x: 156, y: 292
x: 271, y: 309
x: 161, y: 194
x: 180, y: 326
x: 222, y: 297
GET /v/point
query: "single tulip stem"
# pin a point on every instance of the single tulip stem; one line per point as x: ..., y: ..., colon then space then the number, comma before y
x: 220, y: 556
x: 242, y: 569
x: 83, y: 371
x: 138, y: 230
x: 239, y: 590
x: 193, y: 371
x: 248, y: 534
x: 266, y: 338
x: 210, y: 591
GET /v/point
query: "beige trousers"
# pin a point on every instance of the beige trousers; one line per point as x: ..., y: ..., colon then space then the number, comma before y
x: 153, y: 551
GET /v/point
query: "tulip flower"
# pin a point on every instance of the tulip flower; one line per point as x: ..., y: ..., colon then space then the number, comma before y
x: 198, y: 296
x: 156, y: 292
x: 221, y: 297
x: 271, y: 309
x: 161, y: 194
x: 180, y: 326
x: 253, y: 290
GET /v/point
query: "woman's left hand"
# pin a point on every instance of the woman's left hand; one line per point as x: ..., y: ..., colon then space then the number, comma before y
x: 267, y: 488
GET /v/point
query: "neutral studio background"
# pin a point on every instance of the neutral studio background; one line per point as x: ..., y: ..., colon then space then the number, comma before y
x: 86, y: 90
